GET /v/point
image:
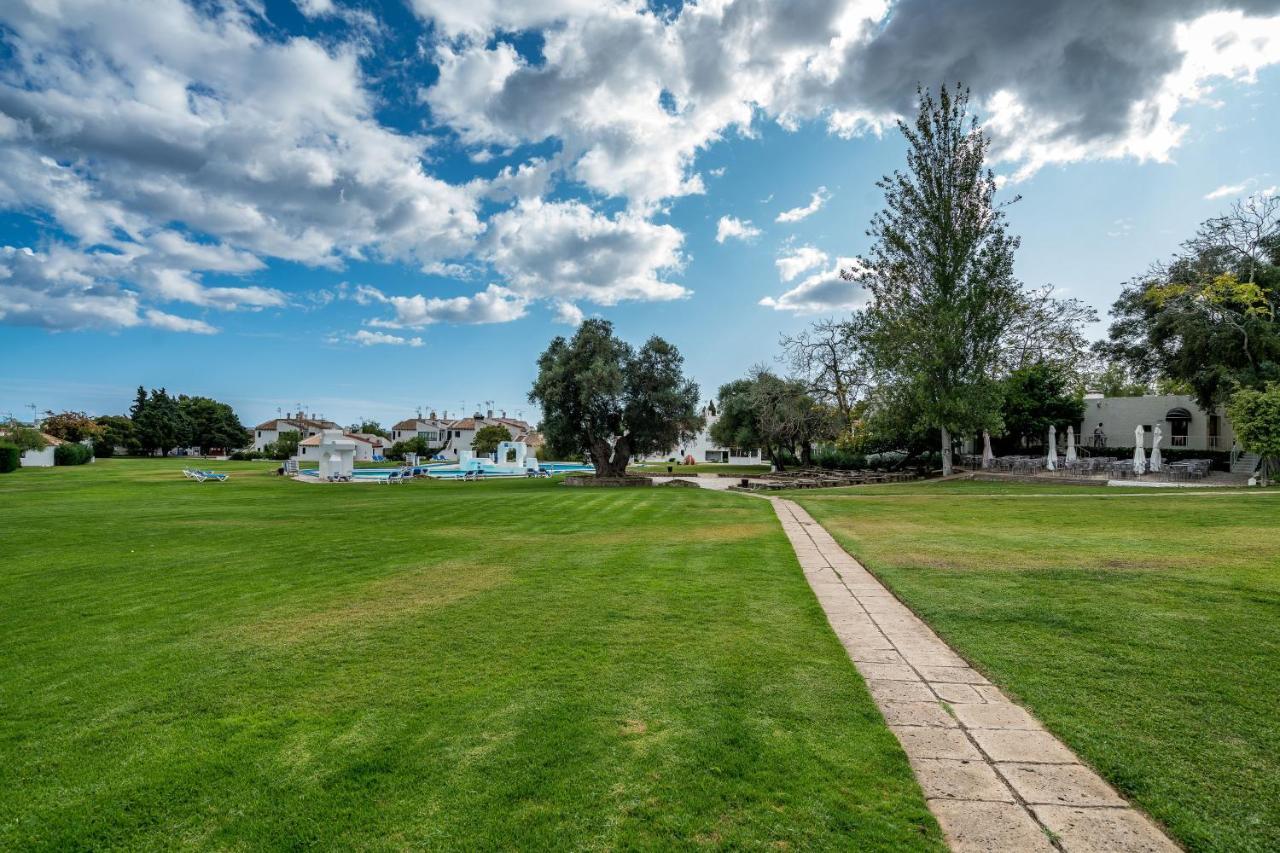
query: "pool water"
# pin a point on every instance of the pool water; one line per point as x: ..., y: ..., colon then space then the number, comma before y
x: 446, y: 472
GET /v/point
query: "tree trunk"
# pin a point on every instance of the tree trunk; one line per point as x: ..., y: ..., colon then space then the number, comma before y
x: 611, y: 461
x: 946, y: 452
x: 774, y: 458
x: 806, y: 454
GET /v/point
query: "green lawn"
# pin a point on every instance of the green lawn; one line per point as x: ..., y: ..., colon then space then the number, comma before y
x: 265, y: 664
x: 1144, y: 629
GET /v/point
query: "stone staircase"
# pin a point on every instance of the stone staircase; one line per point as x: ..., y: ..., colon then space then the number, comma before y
x: 1247, y: 463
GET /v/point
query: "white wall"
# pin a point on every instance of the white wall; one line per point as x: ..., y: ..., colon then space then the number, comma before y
x: 1119, y: 416
x: 703, y: 449
x: 37, y: 458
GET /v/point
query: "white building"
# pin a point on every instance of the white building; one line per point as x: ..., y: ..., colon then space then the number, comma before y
x: 268, y: 431
x: 703, y: 449
x: 42, y: 458
x: 453, y: 436
x: 309, y: 449
x: 430, y: 429
x: 1110, y: 422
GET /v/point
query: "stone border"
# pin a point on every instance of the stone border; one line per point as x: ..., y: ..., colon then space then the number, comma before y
x: 592, y: 481
x: 993, y: 777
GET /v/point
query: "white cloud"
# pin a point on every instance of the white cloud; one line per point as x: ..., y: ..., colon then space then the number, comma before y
x: 1228, y: 190
x: 568, y: 314
x: 124, y: 119
x: 816, y: 201
x: 66, y: 290
x: 732, y: 228
x: 822, y: 291
x: 480, y: 17
x: 566, y: 250
x: 172, y: 323
x: 494, y: 304
x: 799, y: 259
x: 366, y: 338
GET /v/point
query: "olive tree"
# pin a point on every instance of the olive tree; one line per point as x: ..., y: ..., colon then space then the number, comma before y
x: 611, y: 401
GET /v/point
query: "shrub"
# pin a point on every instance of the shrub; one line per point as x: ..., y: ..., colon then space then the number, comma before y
x: 417, y: 445
x: 68, y: 453
x: 10, y: 458
x: 247, y: 455
x: 836, y: 458
x: 103, y: 449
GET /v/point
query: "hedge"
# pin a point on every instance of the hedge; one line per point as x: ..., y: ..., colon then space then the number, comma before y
x: 10, y: 458
x: 69, y: 453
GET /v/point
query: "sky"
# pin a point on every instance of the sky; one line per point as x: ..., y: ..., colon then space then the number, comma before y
x: 368, y: 209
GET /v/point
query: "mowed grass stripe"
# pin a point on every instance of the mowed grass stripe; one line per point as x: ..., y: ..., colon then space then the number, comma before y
x: 1144, y: 631
x: 487, y: 665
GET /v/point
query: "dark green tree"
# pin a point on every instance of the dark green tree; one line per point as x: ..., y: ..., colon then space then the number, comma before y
x: 610, y: 401
x: 1255, y: 414
x: 778, y: 415
x: 285, y: 446
x: 1036, y: 397
x: 488, y: 437
x: 369, y: 428
x: 1208, y: 317
x: 117, y: 432
x: 160, y: 423
x: 940, y: 274
x: 213, y: 424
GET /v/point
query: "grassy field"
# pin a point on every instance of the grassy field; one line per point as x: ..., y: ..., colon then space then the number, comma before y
x: 1144, y: 628
x: 266, y: 664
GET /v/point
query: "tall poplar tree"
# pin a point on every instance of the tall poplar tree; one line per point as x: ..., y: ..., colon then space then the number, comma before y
x: 940, y: 273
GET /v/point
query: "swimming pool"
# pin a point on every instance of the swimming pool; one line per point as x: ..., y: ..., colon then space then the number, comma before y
x: 489, y: 469
x: 449, y: 472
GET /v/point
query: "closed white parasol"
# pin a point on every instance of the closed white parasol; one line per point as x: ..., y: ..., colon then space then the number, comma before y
x: 1071, y: 444
x: 987, y: 456
x: 1156, y: 461
x: 1051, y: 458
x: 1139, y: 451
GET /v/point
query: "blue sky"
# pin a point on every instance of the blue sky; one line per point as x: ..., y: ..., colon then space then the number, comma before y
x: 370, y: 208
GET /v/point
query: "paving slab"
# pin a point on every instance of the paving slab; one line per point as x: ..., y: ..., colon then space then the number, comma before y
x: 957, y: 694
x: 934, y: 742
x: 876, y: 656
x: 1059, y: 785
x: 995, y: 715
x: 952, y: 675
x: 1082, y: 830
x: 917, y: 714
x: 899, y: 691
x: 991, y: 774
x: 984, y: 827
x: 949, y: 779
x: 1019, y: 745
x: 887, y: 671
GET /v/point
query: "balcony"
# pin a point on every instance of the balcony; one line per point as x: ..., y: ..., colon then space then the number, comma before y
x: 1177, y: 441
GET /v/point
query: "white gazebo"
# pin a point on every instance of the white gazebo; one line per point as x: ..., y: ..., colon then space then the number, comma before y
x: 337, y: 455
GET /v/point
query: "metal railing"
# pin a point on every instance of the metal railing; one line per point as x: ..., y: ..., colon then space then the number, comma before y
x: 1177, y: 441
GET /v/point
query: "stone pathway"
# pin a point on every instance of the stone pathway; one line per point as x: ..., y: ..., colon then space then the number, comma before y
x: 991, y: 774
